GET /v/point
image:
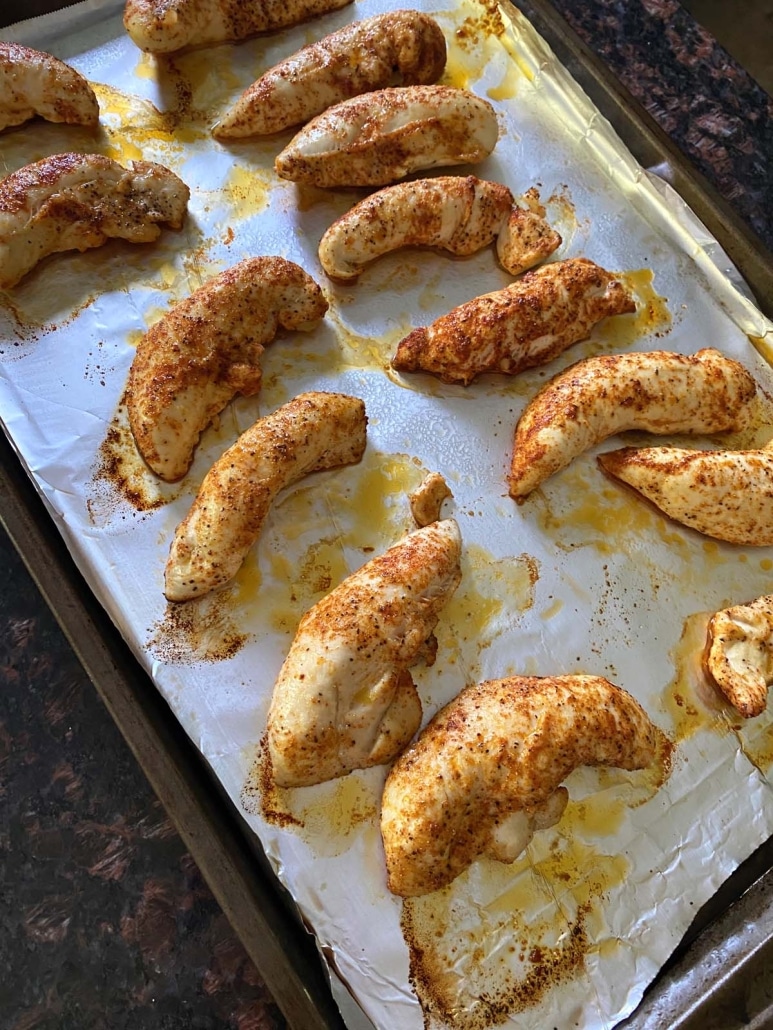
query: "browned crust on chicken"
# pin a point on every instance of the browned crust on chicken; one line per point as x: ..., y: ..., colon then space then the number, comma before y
x: 655, y: 391
x: 207, y: 349
x: 525, y: 324
x: 33, y: 82
x: 501, y: 747
x: 399, y: 47
x: 78, y: 201
x: 164, y: 26
x: 727, y: 495
x: 312, y: 432
x: 344, y: 698
x: 739, y: 654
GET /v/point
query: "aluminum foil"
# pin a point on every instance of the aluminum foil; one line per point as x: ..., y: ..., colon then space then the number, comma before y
x: 580, y: 578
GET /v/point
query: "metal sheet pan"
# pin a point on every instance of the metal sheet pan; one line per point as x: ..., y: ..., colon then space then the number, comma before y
x: 281, y: 950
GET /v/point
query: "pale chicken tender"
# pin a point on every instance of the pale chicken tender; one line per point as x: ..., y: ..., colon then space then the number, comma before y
x: 78, y: 201
x: 381, y: 137
x: 34, y: 83
x: 460, y: 214
x: 206, y: 349
x: 344, y: 698
x: 525, y: 324
x: 399, y: 47
x: 485, y: 773
x: 656, y: 391
x: 727, y: 495
x: 312, y: 432
x: 739, y: 654
x: 427, y: 499
x: 165, y: 26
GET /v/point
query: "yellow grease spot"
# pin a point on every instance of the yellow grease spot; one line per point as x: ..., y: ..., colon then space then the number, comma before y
x: 246, y: 191
x: 552, y: 609
x: 764, y: 346
x: 527, y: 930
x: 690, y: 700
x: 652, y: 315
x: 598, y: 815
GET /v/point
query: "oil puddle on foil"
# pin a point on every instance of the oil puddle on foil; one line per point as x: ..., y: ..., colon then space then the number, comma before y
x: 501, y: 937
x: 651, y: 318
x: 691, y: 700
x: 325, y: 816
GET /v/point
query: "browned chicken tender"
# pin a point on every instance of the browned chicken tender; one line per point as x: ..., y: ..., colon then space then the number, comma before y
x: 656, y: 391
x: 79, y: 201
x: 312, y: 432
x: 207, y: 349
x: 397, y: 48
x: 34, y: 83
x: 485, y: 772
x: 344, y: 698
x: 164, y: 26
x: 526, y: 324
x: 460, y: 214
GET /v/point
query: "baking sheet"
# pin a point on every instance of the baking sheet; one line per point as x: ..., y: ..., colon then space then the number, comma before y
x: 579, y: 579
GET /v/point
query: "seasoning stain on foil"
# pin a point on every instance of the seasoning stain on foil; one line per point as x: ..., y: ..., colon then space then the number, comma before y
x: 246, y: 191
x: 501, y: 937
x: 203, y: 630
x: 651, y: 318
x: 120, y: 477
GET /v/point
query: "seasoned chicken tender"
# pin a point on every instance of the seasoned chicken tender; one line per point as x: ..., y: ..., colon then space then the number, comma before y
x: 314, y: 431
x: 79, y: 201
x: 344, y: 698
x: 397, y: 48
x: 34, y: 83
x: 207, y: 349
x: 727, y: 495
x: 486, y: 771
x: 164, y: 26
x: 460, y: 214
x: 739, y: 654
x: 525, y: 324
x: 381, y: 137
x: 426, y: 501
x: 656, y: 391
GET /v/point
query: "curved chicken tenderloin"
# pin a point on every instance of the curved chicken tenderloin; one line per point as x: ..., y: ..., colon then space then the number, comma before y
x: 344, y: 698
x: 312, y: 432
x: 34, y: 83
x: 399, y: 47
x: 485, y: 772
x: 739, y: 654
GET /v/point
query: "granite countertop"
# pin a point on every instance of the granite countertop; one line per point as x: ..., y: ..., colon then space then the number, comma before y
x: 106, y: 920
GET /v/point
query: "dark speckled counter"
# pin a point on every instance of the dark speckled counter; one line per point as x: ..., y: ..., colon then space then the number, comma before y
x: 106, y: 921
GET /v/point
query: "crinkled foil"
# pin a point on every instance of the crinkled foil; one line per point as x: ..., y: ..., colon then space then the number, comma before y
x: 580, y: 578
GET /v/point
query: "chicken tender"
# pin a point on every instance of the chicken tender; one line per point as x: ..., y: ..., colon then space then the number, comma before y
x: 165, y: 26
x: 397, y: 48
x: 79, y: 201
x: 727, y: 495
x: 486, y: 771
x: 381, y: 137
x: 344, y: 698
x: 427, y: 499
x: 460, y: 214
x: 526, y: 324
x: 34, y: 83
x: 657, y: 391
x: 207, y: 349
x: 314, y: 431
x: 739, y: 654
